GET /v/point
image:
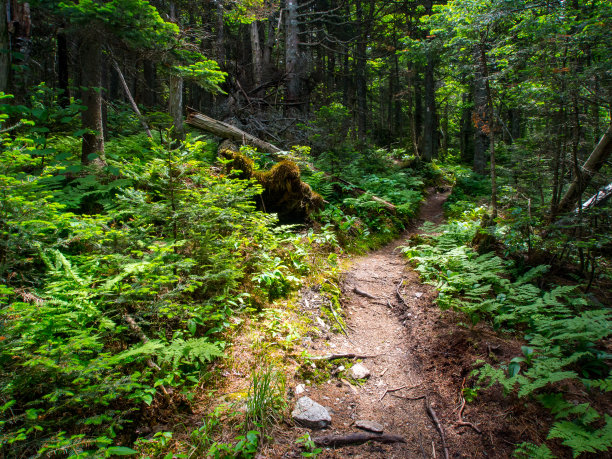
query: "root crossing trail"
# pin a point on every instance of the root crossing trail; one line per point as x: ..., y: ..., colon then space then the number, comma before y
x: 381, y: 300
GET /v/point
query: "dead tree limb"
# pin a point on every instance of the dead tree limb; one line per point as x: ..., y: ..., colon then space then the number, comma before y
x: 366, y: 294
x: 227, y: 131
x: 341, y: 356
x: 592, y: 165
x: 356, y: 438
x: 128, y: 94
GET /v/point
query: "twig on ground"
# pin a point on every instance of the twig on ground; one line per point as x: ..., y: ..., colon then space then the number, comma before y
x: 399, y: 295
x: 341, y: 356
x: 434, y: 418
x: 366, y: 294
x: 355, y: 438
x: 409, y: 398
x: 383, y: 372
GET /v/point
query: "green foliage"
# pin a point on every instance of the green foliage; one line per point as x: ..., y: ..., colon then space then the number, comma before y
x: 310, y: 447
x: 109, y: 309
x: 562, y: 329
x: 266, y: 398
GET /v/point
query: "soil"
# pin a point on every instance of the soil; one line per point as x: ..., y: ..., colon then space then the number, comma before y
x: 416, y: 350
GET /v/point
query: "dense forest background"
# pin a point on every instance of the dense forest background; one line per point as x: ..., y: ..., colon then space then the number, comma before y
x: 130, y: 247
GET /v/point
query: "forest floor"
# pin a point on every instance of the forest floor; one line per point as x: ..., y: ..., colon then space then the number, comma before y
x: 416, y: 355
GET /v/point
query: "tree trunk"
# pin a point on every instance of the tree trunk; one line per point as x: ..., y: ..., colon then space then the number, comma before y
x: 429, y: 122
x: 256, y: 53
x: 175, y: 93
x: 480, y: 117
x: 5, y: 52
x: 175, y: 106
x: 466, y: 135
x: 91, y: 66
x: 220, y: 39
x: 292, y: 52
x: 430, y: 144
x: 62, y: 68
x: 485, y: 73
x: 150, y: 77
x: 592, y: 165
x: 360, y: 73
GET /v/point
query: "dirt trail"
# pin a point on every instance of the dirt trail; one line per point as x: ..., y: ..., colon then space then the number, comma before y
x: 381, y: 327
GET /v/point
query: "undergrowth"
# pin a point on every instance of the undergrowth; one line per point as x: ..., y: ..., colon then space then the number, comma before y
x: 564, y: 352
x: 120, y: 283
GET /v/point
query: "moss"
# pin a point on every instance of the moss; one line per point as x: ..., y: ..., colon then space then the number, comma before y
x: 284, y: 192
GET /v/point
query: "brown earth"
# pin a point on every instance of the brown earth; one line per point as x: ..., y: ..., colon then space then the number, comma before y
x: 417, y: 350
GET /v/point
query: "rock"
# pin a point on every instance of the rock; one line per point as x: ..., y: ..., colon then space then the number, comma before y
x: 418, y: 294
x: 359, y: 371
x: 310, y: 414
x: 370, y: 426
x: 299, y: 389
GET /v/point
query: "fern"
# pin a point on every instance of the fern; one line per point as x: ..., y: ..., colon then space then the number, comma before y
x: 582, y: 439
x: 189, y: 351
x: 530, y: 451
x: 178, y: 351
x: 562, y: 331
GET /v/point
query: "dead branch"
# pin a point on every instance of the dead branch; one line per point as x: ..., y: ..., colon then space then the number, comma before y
x: 391, y: 390
x: 356, y: 438
x: 434, y: 418
x: 341, y: 356
x: 227, y: 131
x: 366, y: 294
x: 399, y: 295
x: 420, y: 397
x: 128, y: 94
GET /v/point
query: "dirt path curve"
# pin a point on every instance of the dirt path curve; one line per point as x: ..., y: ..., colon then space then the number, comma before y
x: 381, y: 327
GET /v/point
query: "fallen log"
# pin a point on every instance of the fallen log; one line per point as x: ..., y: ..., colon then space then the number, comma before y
x: 356, y: 438
x: 227, y: 131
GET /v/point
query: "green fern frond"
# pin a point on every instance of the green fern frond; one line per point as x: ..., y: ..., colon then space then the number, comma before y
x: 531, y: 451
x: 582, y: 439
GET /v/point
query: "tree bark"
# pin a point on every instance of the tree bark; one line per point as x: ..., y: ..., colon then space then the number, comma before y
x: 150, y: 77
x: 292, y: 52
x: 5, y: 52
x: 592, y: 165
x: 489, y: 99
x: 91, y: 65
x: 175, y: 93
x: 62, y: 67
x: 480, y: 117
x: 430, y: 119
x: 256, y: 53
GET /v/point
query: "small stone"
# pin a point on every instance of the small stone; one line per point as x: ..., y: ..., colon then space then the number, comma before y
x: 300, y: 388
x: 340, y: 368
x: 370, y: 426
x: 310, y: 414
x: 418, y: 294
x: 359, y: 371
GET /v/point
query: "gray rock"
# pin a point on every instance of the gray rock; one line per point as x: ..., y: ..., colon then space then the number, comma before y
x: 372, y: 426
x: 310, y: 414
x: 299, y: 389
x: 359, y: 371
